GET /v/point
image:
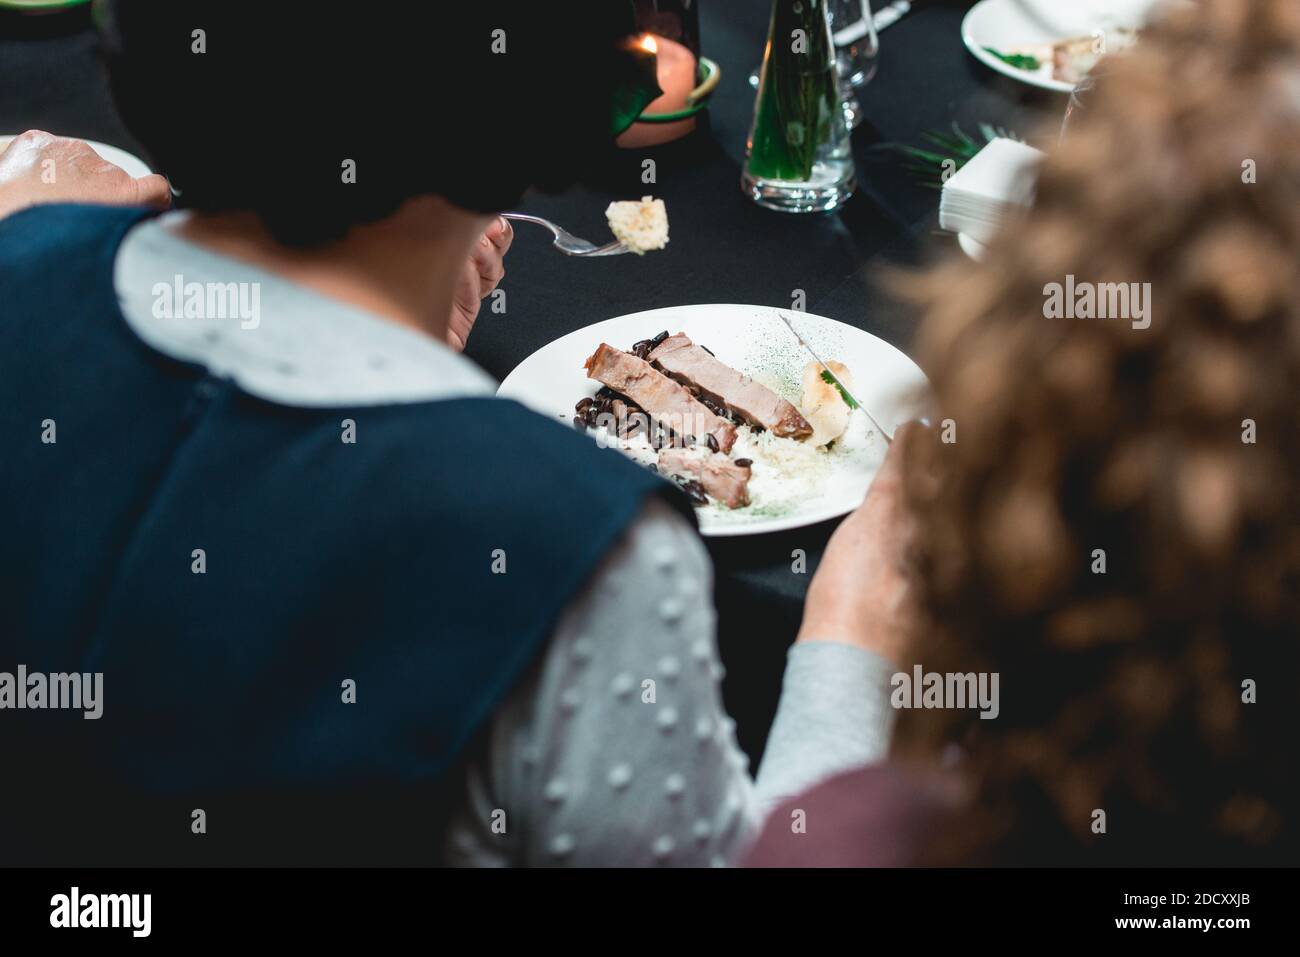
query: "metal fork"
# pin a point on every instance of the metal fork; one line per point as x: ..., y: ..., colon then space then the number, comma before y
x: 568, y: 243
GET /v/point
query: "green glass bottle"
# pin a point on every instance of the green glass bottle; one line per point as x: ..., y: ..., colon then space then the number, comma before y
x: 798, y: 151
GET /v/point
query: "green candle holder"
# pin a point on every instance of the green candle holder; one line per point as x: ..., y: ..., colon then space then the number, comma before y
x: 708, y: 75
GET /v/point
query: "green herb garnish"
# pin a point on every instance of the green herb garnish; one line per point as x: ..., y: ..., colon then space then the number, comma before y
x: 1021, y: 61
x: 827, y: 377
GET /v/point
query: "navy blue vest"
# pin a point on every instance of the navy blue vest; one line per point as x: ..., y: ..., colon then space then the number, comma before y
x: 325, y: 562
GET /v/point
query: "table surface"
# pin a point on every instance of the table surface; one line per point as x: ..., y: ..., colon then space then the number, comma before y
x: 723, y: 248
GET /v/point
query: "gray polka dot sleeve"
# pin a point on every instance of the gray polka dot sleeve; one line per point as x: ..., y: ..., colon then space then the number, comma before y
x: 616, y: 751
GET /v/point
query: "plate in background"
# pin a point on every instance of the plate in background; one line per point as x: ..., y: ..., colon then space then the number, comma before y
x: 1006, y: 25
x: 41, y: 6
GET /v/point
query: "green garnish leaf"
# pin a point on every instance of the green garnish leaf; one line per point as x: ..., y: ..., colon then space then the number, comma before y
x: 1021, y: 61
x: 945, y: 153
x: 828, y: 378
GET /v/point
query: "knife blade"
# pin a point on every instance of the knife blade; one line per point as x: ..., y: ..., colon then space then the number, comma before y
x: 826, y: 371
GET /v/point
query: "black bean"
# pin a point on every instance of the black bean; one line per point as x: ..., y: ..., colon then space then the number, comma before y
x: 584, y: 404
x: 744, y: 463
x: 696, y: 492
x: 659, y: 338
x: 653, y: 467
x: 713, y: 442
x: 579, y: 422
x: 628, y: 425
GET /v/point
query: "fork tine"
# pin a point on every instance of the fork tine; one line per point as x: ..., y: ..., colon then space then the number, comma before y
x: 612, y: 249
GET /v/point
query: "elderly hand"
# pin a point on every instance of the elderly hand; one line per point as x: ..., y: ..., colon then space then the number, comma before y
x: 479, y: 276
x: 860, y: 594
x: 39, y: 168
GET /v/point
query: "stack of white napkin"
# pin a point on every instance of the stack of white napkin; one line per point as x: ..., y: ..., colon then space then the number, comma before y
x: 994, y: 185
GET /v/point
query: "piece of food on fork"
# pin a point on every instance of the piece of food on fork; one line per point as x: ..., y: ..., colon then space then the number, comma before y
x: 641, y: 226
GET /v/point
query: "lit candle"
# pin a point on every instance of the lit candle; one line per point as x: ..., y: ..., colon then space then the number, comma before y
x: 675, y: 69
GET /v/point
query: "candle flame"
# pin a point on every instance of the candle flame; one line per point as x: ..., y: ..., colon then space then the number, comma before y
x: 648, y: 44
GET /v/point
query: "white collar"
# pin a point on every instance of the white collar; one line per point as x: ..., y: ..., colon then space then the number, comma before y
x: 298, y: 348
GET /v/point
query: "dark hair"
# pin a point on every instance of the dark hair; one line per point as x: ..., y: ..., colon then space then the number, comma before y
x: 473, y: 101
x: 1173, y: 449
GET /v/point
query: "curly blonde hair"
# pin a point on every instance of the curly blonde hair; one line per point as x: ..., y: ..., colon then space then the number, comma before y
x: 1114, y: 527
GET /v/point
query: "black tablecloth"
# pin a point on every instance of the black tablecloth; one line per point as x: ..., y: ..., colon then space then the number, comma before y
x: 723, y: 248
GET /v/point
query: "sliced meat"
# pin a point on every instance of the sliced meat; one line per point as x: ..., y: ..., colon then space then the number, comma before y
x: 665, y: 401
x: 721, y: 477
x: 694, y: 367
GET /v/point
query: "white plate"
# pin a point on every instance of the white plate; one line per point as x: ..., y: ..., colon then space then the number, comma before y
x: 132, y: 165
x: 1006, y: 25
x: 753, y: 340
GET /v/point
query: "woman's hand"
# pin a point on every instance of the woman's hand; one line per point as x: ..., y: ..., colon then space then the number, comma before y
x: 40, y: 168
x: 860, y: 594
x: 479, y: 276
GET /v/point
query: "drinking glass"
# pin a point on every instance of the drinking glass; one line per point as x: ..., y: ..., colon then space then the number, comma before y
x: 857, y: 46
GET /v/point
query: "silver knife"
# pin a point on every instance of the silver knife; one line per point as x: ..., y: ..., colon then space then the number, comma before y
x: 835, y: 379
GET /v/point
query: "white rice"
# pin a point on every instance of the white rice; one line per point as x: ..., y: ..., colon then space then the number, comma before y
x: 785, y: 471
x: 640, y: 225
x: 786, y: 474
